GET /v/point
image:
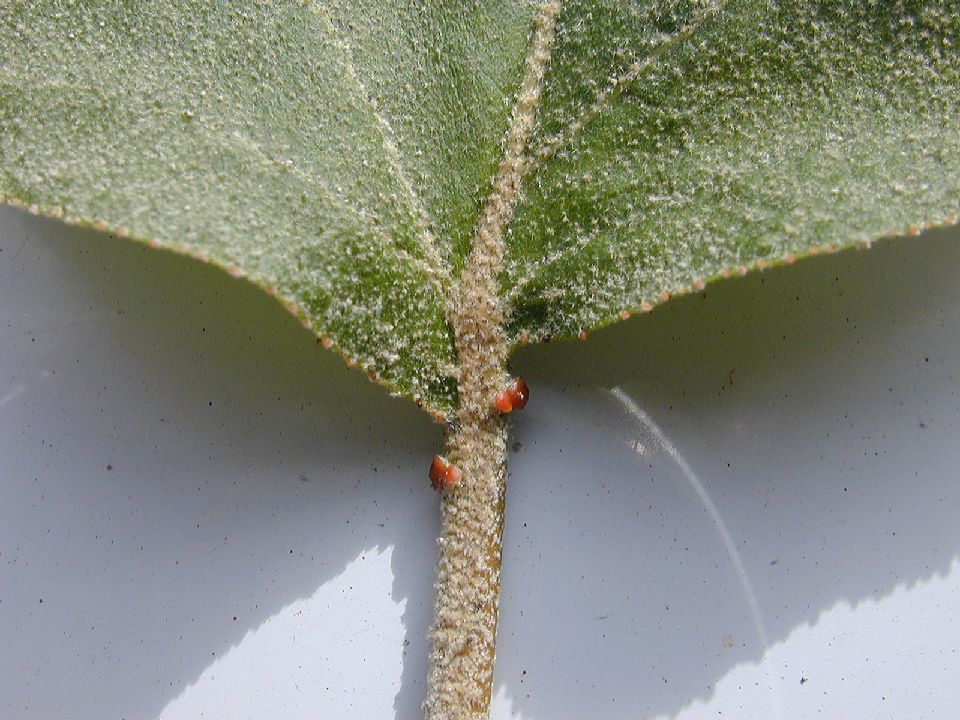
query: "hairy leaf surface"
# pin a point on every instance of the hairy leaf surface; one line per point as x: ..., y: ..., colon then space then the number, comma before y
x: 681, y: 140
x: 340, y: 154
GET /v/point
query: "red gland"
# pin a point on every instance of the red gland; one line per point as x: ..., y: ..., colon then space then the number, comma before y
x: 443, y: 473
x: 504, y: 401
x: 514, y: 397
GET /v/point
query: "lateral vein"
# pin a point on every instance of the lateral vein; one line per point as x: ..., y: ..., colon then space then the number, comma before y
x: 436, y: 269
x: 617, y: 85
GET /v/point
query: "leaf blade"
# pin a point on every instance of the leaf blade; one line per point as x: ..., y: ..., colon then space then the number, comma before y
x: 765, y: 131
x: 341, y: 154
x: 245, y: 134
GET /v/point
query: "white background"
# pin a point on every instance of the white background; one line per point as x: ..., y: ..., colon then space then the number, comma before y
x: 204, y: 514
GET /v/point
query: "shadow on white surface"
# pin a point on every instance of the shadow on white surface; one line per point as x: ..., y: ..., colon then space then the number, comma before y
x: 176, y: 452
x: 819, y: 405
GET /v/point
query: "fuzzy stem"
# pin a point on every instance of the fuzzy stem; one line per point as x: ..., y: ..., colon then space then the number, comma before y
x: 468, y: 573
x: 468, y: 577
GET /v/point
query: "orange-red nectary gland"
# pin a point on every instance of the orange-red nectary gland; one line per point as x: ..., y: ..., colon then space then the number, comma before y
x: 514, y: 397
x: 521, y: 393
x: 443, y: 473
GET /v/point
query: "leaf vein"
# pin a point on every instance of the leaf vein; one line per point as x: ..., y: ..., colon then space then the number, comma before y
x: 617, y: 85
x: 436, y: 269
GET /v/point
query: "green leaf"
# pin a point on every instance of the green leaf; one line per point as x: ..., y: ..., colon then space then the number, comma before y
x: 340, y: 154
x: 683, y: 140
x: 337, y: 155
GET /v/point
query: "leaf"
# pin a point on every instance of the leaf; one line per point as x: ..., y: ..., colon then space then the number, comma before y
x: 341, y: 155
x: 274, y: 140
x: 681, y: 141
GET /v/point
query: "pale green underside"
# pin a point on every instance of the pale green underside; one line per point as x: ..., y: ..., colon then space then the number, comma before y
x: 340, y: 153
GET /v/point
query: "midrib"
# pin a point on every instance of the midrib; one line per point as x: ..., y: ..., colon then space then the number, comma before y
x: 477, y: 313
